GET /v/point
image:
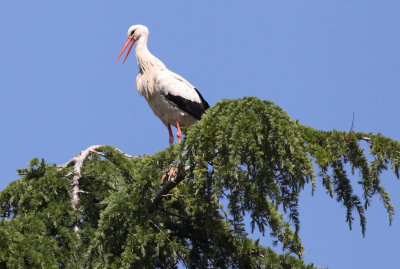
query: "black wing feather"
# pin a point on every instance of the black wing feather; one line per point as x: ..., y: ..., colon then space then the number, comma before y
x: 194, y: 109
x: 205, y: 104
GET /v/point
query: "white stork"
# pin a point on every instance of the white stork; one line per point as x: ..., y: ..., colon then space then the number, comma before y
x: 173, y: 99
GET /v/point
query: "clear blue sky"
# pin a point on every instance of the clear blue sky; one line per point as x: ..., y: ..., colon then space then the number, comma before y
x: 61, y: 90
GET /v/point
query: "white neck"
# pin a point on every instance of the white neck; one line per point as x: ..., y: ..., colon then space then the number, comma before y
x: 145, y: 59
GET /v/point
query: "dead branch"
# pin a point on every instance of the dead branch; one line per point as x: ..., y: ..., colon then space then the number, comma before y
x: 78, y: 162
x: 366, y: 139
x: 174, y: 178
x: 126, y: 154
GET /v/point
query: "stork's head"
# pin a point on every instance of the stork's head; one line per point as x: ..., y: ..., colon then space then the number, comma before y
x: 134, y: 33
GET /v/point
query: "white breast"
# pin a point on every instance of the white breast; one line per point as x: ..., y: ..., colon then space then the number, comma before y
x: 168, y: 112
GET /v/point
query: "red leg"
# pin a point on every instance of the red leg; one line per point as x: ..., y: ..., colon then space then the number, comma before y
x: 179, y: 133
x: 171, y: 136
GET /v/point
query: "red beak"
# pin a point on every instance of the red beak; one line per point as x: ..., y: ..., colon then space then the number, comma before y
x: 124, y: 48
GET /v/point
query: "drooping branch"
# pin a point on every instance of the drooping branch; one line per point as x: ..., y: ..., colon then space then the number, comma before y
x: 371, y: 141
x: 78, y: 162
x: 171, y: 179
x: 125, y: 154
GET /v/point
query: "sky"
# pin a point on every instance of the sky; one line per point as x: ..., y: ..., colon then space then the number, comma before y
x: 61, y: 89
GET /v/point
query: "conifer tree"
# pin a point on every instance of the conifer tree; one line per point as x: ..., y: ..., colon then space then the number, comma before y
x: 107, y: 209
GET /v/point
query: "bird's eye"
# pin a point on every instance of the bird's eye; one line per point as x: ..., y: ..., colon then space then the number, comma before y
x: 133, y: 31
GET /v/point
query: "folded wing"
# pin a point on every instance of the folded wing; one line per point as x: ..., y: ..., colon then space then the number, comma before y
x: 181, y: 93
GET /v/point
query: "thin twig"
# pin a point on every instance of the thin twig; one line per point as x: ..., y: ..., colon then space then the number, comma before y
x: 126, y: 154
x: 352, y: 124
x: 159, y: 229
x: 186, y: 218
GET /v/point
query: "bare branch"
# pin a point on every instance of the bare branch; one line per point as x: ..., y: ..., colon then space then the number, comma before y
x: 169, y: 185
x: 67, y: 164
x: 78, y: 162
x: 126, y: 154
x: 174, y: 178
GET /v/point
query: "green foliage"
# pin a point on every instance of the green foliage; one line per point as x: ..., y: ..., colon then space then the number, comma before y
x: 37, y: 220
x: 244, y: 157
x: 333, y: 150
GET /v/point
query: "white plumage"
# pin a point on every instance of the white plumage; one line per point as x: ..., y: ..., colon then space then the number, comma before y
x: 172, y: 98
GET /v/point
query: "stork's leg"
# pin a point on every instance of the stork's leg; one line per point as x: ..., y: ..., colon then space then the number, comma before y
x: 171, y: 136
x: 179, y: 133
